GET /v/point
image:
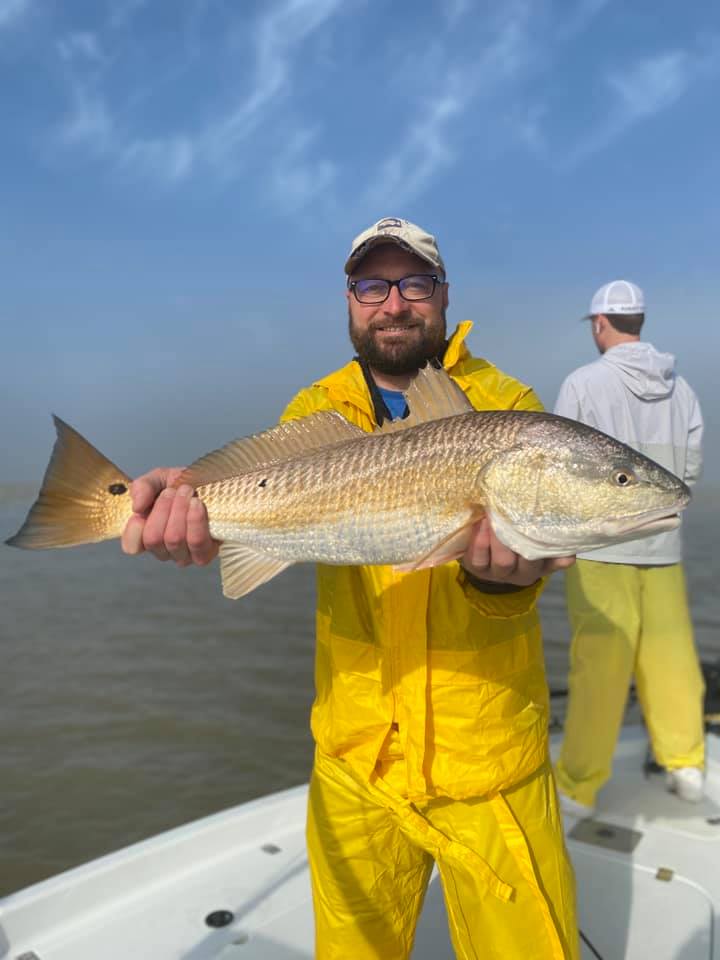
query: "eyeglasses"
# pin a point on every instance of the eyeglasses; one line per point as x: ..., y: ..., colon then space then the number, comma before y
x: 419, y: 286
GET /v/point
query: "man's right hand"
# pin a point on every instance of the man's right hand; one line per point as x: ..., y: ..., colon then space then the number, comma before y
x: 171, y: 523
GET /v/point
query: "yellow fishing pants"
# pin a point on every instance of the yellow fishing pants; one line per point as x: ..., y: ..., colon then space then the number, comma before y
x: 628, y: 620
x: 508, y: 883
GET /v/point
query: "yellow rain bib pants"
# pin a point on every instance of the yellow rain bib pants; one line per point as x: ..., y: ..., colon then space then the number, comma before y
x: 430, y: 720
x: 628, y: 620
x: 507, y: 882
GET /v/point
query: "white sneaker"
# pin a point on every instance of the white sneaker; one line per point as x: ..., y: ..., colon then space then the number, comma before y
x: 571, y: 808
x: 687, y: 783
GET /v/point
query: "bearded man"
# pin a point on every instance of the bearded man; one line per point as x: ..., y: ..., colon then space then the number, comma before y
x: 431, y: 709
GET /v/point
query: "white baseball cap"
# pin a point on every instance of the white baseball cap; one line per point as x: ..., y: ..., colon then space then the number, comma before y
x: 393, y: 230
x: 618, y: 296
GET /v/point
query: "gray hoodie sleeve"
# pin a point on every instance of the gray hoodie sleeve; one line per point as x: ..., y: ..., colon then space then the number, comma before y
x: 568, y: 402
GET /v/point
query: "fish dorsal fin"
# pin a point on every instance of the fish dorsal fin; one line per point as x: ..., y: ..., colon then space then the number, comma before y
x: 243, y: 569
x: 291, y: 439
x: 432, y: 395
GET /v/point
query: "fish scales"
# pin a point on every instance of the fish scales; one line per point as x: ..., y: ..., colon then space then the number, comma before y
x: 377, y: 499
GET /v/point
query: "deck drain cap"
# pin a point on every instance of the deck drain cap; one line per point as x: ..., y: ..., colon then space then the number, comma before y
x: 219, y: 918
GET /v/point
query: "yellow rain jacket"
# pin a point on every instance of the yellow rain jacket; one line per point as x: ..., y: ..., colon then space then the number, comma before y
x: 458, y: 674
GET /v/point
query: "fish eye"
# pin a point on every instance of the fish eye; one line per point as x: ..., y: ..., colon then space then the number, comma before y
x: 623, y: 478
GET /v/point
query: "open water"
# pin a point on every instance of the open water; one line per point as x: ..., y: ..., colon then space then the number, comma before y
x: 135, y: 697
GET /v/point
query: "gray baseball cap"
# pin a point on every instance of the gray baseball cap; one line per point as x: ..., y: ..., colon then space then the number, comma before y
x: 393, y: 230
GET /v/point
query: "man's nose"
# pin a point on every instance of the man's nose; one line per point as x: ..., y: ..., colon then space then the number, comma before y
x: 395, y: 305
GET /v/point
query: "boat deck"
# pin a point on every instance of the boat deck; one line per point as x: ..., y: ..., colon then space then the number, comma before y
x: 647, y: 870
x: 647, y: 864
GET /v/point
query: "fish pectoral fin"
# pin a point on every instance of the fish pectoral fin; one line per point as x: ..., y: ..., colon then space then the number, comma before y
x: 243, y: 569
x: 450, y: 548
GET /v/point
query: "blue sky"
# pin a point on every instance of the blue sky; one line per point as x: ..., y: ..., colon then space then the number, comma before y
x: 181, y: 182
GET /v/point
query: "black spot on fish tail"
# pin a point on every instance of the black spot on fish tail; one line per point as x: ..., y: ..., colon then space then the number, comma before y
x: 117, y: 489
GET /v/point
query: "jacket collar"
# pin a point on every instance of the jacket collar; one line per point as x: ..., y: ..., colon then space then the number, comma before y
x: 456, y: 349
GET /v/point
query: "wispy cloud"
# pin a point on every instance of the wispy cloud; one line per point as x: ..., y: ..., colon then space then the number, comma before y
x: 169, y: 159
x: 302, y: 169
x: 122, y: 11
x: 454, y: 10
x: 650, y: 86
x: 219, y: 143
x: 12, y: 10
x: 425, y: 149
x: 88, y: 123
x: 578, y: 18
x: 278, y: 36
x: 653, y: 84
x: 426, y: 146
x: 82, y: 45
x: 528, y: 128
x: 484, y: 69
x: 296, y: 180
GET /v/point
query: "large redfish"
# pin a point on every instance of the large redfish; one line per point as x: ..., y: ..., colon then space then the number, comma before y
x: 322, y: 490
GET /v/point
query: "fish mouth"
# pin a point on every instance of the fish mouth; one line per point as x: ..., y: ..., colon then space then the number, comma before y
x: 611, y: 531
x: 655, y: 521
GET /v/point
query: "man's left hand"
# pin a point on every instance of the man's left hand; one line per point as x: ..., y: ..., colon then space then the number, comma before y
x: 488, y: 559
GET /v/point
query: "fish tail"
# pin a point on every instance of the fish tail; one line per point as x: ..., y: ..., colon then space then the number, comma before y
x: 84, y: 497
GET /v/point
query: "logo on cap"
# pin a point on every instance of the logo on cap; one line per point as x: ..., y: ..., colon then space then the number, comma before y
x: 389, y: 223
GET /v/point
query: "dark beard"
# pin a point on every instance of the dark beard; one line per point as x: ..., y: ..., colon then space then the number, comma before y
x: 399, y: 359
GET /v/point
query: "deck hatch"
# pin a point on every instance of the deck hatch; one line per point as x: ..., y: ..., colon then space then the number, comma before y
x: 609, y: 836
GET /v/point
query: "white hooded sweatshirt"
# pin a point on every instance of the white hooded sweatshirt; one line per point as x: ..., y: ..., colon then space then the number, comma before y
x: 632, y: 393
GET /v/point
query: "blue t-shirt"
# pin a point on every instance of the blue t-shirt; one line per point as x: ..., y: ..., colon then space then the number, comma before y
x: 395, y: 402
